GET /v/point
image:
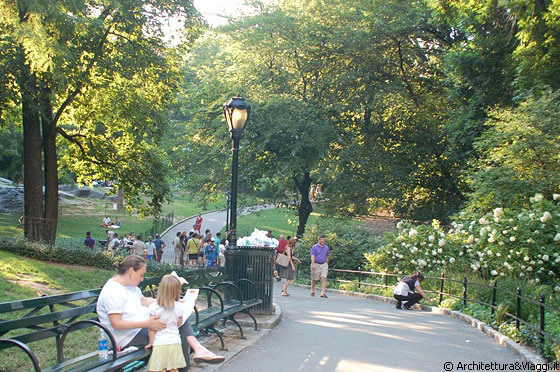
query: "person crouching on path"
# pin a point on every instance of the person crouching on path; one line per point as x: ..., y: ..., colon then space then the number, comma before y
x: 319, y: 265
x: 405, y: 291
x: 168, y: 353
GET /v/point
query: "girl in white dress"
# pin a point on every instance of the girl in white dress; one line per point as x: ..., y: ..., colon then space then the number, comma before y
x: 167, y: 354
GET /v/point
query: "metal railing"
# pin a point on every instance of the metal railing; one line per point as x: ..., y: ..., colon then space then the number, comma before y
x: 350, y: 276
x: 159, y: 226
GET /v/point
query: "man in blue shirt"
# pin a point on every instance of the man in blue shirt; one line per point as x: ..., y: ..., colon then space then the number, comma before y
x: 211, y: 254
x: 160, y: 244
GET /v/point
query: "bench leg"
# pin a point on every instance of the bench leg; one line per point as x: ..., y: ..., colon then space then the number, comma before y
x: 231, y: 317
x: 252, y: 317
x: 218, y: 333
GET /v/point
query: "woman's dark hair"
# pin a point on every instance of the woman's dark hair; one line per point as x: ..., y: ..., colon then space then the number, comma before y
x: 418, y: 275
x: 136, y: 262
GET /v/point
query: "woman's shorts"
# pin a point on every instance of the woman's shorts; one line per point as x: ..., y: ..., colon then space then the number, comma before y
x: 193, y: 256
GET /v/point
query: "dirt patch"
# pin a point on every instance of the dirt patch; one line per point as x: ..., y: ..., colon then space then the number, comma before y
x: 378, y: 224
x: 35, y: 283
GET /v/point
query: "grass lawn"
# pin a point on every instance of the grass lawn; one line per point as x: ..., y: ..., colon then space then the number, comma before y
x: 278, y: 220
x: 22, y: 278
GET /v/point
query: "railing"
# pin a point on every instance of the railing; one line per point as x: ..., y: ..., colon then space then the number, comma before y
x: 465, y: 285
x: 159, y: 226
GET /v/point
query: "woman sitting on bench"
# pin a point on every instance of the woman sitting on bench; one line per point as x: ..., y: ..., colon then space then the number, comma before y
x: 124, y: 310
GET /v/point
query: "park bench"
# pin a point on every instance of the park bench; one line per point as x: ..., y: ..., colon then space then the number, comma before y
x: 26, y: 321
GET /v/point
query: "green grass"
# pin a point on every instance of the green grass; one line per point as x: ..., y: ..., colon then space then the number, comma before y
x: 279, y: 221
x: 22, y: 278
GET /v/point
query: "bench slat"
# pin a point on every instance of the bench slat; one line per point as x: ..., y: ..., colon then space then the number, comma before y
x: 6, y: 307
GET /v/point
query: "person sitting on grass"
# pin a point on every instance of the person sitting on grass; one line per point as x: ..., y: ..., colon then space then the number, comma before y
x: 405, y: 291
x: 106, y: 222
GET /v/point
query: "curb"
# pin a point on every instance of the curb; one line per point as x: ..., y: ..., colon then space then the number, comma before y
x: 523, y: 352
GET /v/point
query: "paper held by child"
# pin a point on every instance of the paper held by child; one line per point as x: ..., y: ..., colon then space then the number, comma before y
x: 188, y: 302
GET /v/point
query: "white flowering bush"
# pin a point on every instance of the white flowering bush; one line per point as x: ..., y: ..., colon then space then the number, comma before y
x: 523, y: 243
x: 424, y: 247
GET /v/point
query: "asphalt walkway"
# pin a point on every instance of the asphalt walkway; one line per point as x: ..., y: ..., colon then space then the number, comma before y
x: 349, y: 334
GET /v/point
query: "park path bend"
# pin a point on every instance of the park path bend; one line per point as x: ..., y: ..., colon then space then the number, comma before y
x: 349, y: 334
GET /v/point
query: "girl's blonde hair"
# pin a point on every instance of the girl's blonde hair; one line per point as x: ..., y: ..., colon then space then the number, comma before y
x: 169, y: 291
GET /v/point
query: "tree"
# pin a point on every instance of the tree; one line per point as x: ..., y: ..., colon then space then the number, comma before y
x: 56, y: 51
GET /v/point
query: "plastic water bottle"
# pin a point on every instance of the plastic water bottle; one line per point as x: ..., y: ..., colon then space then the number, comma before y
x: 103, y: 345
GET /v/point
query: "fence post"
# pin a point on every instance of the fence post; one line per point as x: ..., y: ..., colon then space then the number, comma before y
x: 386, y: 278
x: 441, y: 287
x: 518, y: 315
x: 494, y: 294
x: 541, y: 325
x: 359, y: 277
x: 465, y: 291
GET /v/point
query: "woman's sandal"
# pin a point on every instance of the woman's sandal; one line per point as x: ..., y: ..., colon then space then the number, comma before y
x: 324, y: 296
x: 285, y: 294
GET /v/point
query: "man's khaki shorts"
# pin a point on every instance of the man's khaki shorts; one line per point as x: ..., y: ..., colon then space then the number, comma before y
x: 320, y: 271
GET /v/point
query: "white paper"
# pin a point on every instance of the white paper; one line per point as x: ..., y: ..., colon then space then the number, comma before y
x: 188, y: 302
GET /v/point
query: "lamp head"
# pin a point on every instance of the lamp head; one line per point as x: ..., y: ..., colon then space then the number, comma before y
x: 236, y: 112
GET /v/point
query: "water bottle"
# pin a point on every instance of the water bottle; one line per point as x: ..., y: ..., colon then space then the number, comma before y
x: 103, y: 345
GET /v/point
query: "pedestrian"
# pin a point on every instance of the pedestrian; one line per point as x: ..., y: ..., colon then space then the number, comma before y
x: 280, y: 249
x: 222, y: 256
x: 192, y: 249
x: 138, y: 246
x: 183, y: 246
x: 89, y: 242
x: 177, y: 248
x: 125, y: 311
x: 167, y: 353
x: 115, y: 242
x: 151, y: 248
x: 198, y: 223
x: 406, y: 291
x: 160, y: 245
x: 319, y: 265
x: 211, y: 254
x: 289, y: 271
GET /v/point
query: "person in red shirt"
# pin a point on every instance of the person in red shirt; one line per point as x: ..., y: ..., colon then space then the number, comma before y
x: 280, y: 249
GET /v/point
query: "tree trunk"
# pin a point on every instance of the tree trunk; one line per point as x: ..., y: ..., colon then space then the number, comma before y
x: 32, y: 165
x: 120, y: 200
x: 305, y: 208
x: 51, y: 169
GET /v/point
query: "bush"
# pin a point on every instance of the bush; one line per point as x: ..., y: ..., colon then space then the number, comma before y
x: 347, y: 243
x: 65, y: 255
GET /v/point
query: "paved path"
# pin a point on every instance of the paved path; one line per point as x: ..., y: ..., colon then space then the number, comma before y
x: 214, y: 221
x: 347, y: 334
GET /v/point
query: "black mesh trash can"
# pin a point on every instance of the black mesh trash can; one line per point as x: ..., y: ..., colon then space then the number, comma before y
x: 255, y: 264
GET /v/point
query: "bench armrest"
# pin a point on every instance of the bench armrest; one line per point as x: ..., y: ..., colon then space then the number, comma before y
x: 210, y: 292
x: 230, y: 284
x: 26, y: 350
x: 79, y: 324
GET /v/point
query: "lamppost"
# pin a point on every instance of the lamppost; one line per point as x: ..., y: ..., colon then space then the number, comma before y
x: 228, y: 196
x: 236, y: 112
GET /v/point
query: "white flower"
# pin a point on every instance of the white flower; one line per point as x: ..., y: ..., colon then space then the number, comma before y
x: 399, y: 225
x: 489, y: 252
x: 412, y: 233
x: 434, y: 253
x: 491, y: 239
x: 521, y: 274
x: 557, y: 288
x: 441, y: 242
x: 512, y: 238
x: 555, y: 196
x: 546, y: 217
x: 529, y: 268
x: 508, y: 266
x: 482, y: 221
x: 557, y: 237
x: 440, y: 250
x: 470, y: 240
x: 498, y: 212
x: 545, y: 257
x: 530, y: 241
x: 537, y: 280
x: 526, y: 259
x: 515, y: 228
x: 505, y: 232
x: 538, y: 197
x: 431, y: 238
x: 494, y: 272
x: 532, y: 215
x: 451, y: 260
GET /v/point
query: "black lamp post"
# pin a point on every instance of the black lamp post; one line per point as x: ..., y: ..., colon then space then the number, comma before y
x: 228, y: 196
x: 236, y: 112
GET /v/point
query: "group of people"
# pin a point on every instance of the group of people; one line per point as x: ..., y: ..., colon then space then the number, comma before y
x: 113, y: 225
x: 197, y: 251
x: 150, y: 249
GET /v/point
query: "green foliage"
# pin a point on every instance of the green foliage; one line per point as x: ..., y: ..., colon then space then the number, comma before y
x: 347, y: 243
x: 520, y: 151
x: 75, y: 256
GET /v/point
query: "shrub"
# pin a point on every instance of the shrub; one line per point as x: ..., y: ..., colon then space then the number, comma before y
x: 65, y: 255
x: 347, y: 243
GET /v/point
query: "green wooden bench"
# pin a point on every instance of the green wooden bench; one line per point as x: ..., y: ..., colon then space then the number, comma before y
x: 57, y: 316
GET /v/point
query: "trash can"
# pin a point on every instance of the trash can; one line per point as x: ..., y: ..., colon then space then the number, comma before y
x: 255, y: 264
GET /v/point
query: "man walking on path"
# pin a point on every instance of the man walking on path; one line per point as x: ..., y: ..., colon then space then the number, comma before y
x: 319, y: 265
